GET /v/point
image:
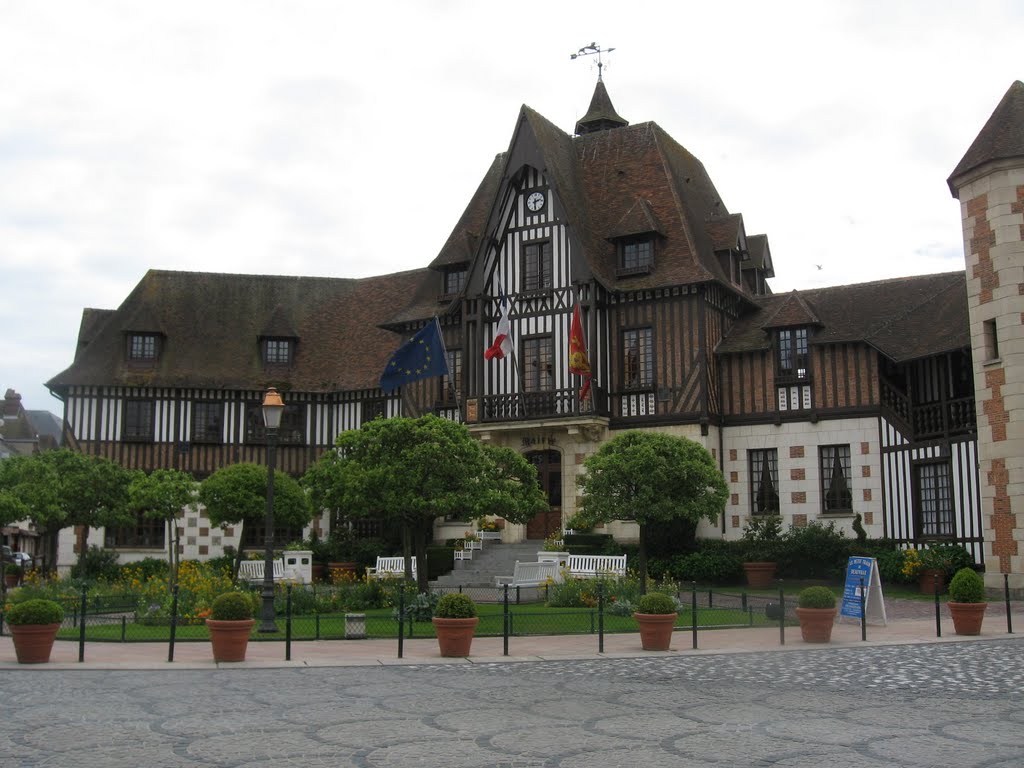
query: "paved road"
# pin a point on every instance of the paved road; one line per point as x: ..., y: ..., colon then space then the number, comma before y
x: 934, y: 705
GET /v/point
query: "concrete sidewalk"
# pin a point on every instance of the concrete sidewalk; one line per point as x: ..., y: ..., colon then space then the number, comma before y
x: 326, y: 653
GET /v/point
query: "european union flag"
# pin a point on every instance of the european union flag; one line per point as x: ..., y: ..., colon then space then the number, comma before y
x: 419, y: 358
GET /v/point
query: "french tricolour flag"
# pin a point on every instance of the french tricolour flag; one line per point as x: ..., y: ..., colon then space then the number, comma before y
x: 502, y: 344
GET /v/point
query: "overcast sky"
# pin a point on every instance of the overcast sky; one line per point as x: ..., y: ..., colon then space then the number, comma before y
x: 328, y: 138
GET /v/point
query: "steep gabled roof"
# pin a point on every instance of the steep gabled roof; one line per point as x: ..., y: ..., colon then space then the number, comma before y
x: 905, y: 318
x: 212, y: 324
x: 461, y: 246
x: 606, y: 185
x: 759, y: 255
x: 1001, y: 138
x: 792, y: 310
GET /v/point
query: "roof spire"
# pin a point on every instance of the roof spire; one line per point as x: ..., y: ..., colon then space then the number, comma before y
x: 589, y: 50
x: 602, y: 115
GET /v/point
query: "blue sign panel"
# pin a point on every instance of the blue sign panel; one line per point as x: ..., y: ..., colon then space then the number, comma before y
x: 858, y: 571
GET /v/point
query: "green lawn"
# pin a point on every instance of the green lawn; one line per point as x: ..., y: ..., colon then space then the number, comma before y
x: 525, y: 620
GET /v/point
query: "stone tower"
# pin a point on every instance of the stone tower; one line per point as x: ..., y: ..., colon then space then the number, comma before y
x: 989, y: 183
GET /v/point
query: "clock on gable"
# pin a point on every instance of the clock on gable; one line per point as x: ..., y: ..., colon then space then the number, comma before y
x: 535, y: 201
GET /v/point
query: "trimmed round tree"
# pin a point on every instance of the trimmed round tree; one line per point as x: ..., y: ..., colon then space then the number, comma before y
x: 651, y: 477
x: 410, y: 472
x: 237, y: 495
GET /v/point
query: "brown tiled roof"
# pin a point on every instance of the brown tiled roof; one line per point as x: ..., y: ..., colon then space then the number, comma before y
x: 904, y: 318
x: 792, y: 310
x: 638, y: 220
x: 460, y: 248
x: 212, y: 324
x: 1001, y: 138
x: 725, y: 231
x: 597, y: 180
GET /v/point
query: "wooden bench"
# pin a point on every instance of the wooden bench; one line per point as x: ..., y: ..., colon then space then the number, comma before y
x: 592, y: 566
x: 529, y: 575
x: 468, y: 548
x: 390, y: 568
x: 252, y: 570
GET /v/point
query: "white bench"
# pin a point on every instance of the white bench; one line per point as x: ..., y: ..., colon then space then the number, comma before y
x: 489, y: 535
x: 592, y: 566
x: 468, y: 548
x: 529, y: 575
x: 390, y: 568
x: 252, y: 570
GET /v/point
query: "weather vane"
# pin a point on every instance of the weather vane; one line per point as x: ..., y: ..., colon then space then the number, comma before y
x: 590, y: 50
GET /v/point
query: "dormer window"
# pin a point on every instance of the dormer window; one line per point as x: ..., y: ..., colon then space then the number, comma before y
x: 278, y: 351
x: 793, y: 353
x: 142, y: 347
x: 636, y: 256
x: 454, y: 282
x: 792, y: 372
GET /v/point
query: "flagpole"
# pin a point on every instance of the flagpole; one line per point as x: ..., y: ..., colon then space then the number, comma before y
x: 451, y: 384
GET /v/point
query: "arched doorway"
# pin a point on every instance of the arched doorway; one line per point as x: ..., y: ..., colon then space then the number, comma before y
x: 549, y: 475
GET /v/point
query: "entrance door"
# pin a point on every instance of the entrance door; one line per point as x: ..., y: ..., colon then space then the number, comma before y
x: 549, y: 475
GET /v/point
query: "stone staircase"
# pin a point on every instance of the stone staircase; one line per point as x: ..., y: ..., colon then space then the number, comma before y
x: 494, y: 560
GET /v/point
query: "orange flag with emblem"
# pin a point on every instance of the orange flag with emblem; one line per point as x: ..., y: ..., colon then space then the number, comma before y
x: 579, y: 361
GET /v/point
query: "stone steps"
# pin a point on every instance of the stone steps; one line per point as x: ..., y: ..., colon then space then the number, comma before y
x: 494, y: 560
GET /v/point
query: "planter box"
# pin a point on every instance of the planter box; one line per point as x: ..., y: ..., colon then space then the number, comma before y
x: 298, y: 565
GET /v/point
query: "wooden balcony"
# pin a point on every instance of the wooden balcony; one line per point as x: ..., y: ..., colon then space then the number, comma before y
x: 556, y: 403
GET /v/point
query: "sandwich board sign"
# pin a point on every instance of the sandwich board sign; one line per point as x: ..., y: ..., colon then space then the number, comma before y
x: 863, y: 570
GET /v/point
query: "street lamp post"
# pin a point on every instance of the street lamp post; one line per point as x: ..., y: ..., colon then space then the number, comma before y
x: 273, y: 407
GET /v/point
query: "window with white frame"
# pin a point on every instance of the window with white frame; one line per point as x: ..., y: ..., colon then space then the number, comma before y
x: 764, y: 481
x: 836, y: 494
x: 934, y: 499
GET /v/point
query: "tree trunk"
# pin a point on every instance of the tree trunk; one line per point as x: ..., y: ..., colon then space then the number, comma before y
x: 238, y: 550
x: 407, y: 550
x: 83, y: 549
x: 422, y: 577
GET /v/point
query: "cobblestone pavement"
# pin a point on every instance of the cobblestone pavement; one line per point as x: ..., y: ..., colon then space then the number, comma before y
x: 929, y: 705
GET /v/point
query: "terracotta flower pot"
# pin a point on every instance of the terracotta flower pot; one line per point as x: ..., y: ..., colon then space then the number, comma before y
x: 656, y: 630
x: 760, y: 575
x: 967, y: 617
x: 455, y: 636
x: 229, y: 639
x: 927, y: 584
x: 12, y: 579
x: 816, y: 624
x: 33, y: 642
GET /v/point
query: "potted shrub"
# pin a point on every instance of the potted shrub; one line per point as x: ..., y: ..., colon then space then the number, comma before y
x: 816, y: 610
x: 12, y: 575
x: 230, y: 623
x: 967, y: 601
x: 455, y: 622
x: 34, y: 625
x: 761, y: 535
x: 656, y: 613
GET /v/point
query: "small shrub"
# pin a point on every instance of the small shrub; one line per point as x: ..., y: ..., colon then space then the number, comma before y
x: 419, y: 607
x: 232, y: 606
x: 455, y: 605
x: 656, y: 602
x: 813, y: 551
x: 33, y: 612
x: 12, y: 569
x: 816, y: 597
x: 967, y: 586
x: 761, y: 537
x: 707, y: 567
x: 98, y: 564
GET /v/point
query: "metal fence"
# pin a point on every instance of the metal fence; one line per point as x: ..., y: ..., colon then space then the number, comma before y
x: 503, y: 611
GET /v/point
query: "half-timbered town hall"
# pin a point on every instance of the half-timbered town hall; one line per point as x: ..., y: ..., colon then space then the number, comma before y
x: 818, y: 404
